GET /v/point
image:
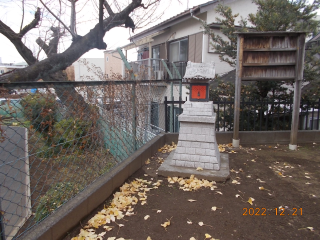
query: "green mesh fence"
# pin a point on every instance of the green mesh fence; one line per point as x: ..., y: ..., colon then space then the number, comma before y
x: 57, y: 138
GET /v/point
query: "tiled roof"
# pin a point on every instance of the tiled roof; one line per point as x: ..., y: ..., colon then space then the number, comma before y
x: 184, y: 13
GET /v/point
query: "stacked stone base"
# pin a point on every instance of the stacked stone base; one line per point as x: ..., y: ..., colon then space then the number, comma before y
x: 197, y: 146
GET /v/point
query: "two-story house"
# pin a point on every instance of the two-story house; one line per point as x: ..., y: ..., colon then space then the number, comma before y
x: 178, y: 40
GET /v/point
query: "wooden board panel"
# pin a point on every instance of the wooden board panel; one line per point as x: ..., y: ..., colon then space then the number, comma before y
x: 198, y: 48
x: 269, y: 57
x: 192, y: 48
x: 269, y: 72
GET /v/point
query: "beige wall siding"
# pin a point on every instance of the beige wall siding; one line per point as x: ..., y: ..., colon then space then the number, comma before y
x: 89, y: 69
x: 113, y: 64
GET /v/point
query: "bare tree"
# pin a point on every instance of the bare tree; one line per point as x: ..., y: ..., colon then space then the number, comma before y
x: 117, y: 14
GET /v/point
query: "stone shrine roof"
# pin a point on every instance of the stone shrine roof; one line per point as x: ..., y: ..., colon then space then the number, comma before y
x: 200, y: 71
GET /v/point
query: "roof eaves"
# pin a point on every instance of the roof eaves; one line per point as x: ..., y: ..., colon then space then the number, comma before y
x: 166, y: 24
x: 315, y: 38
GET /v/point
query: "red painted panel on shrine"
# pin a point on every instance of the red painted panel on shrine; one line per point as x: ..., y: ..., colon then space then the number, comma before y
x: 198, y: 92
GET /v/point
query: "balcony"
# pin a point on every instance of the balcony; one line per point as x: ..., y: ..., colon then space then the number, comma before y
x: 158, y: 69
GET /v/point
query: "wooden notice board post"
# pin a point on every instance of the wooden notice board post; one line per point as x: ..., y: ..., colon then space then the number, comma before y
x: 270, y: 56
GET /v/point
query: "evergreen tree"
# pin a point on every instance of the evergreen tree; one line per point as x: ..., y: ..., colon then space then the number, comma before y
x: 272, y: 15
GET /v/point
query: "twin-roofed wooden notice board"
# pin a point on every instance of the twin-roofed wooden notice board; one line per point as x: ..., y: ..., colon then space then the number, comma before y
x: 270, y: 56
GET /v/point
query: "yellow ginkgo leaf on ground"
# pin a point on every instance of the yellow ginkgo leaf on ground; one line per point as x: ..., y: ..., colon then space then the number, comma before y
x: 201, y: 224
x: 108, y: 228
x: 310, y: 228
x: 199, y: 169
x: 262, y: 188
x: 214, y: 208
x: 149, y: 238
x: 143, y: 202
x: 159, y: 211
x: 250, y: 200
x: 146, y: 217
x: 235, y: 182
x: 219, y: 192
x: 192, y: 238
x: 166, y: 224
x: 147, y: 162
x: 207, y: 235
x: 191, y: 200
x: 189, y: 222
x: 111, y: 238
x: 260, y: 181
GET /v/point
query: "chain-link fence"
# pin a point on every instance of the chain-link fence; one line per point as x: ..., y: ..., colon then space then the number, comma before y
x: 57, y: 138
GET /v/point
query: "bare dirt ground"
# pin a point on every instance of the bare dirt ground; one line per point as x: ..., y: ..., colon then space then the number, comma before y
x: 283, y: 185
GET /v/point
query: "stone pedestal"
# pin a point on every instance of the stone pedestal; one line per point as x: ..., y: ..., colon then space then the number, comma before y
x: 197, y: 145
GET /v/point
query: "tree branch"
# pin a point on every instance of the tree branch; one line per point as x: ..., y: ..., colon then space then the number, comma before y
x: 107, y: 6
x: 22, y: 15
x: 52, y: 48
x: 43, y: 45
x: 60, y: 61
x: 25, y: 52
x: 73, y: 16
x: 73, y: 35
x: 145, y: 7
x: 31, y: 25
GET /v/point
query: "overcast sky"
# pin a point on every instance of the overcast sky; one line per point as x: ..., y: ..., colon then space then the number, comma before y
x: 10, y: 13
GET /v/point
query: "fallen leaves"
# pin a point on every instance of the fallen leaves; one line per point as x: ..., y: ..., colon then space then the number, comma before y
x: 192, y: 183
x: 167, y: 148
x: 202, y: 224
x: 199, y: 169
x: 146, y: 217
x: 191, y: 200
x: 121, y: 206
x: 207, y: 235
x: 235, y: 182
x: 166, y: 224
x: 147, y: 162
x: 308, y: 228
x: 250, y: 200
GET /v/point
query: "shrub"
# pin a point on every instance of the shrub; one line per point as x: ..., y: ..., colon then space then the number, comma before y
x: 55, y: 197
x: 69, y: 132
x: 41, y: 111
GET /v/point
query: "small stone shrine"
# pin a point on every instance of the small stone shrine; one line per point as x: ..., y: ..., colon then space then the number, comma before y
x: 197, y: 147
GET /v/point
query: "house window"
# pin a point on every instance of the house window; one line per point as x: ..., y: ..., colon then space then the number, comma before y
x: 107, y: 59
x: 178, y: 56
x: 1, y: 71
x: 178, y: 51
x: 156, y: 55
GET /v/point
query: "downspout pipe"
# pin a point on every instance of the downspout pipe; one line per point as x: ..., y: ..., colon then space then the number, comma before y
x: 191, y: 12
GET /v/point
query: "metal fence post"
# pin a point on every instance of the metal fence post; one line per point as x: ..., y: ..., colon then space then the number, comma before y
x: 134, y: 117
x: 165, y: 113
x: 171, y: 89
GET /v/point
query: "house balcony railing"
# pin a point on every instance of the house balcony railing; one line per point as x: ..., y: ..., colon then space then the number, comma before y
x: 158, y: 69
